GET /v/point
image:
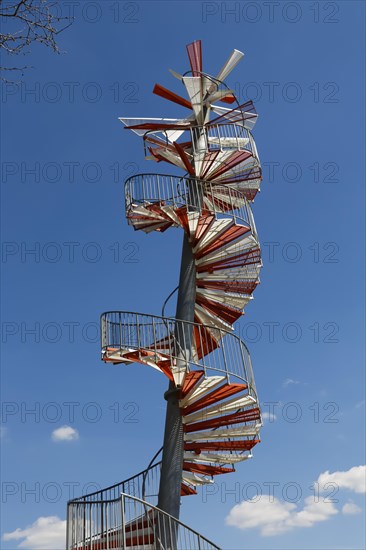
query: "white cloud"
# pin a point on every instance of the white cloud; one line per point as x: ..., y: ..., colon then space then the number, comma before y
x: 289, y: 382
x: 46, y: 533
x: 271, y: 417
x: 274, y: 517
x: 353, y: 479
x: 65, y: 433
x: 350, y: 508
x: 263, y: 513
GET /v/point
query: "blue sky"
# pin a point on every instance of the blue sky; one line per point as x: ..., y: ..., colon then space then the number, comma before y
x: 304, y: 66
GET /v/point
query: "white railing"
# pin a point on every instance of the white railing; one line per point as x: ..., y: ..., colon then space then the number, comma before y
x: 227, y: 353
x: 175, y: 191
x: 222, y: 137
x: 144, y: 485
x: 130, y: 523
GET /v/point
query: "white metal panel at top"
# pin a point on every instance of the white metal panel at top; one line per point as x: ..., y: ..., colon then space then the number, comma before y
x: 231, y: 63
x: 193, y: 85
x: 134, y: 121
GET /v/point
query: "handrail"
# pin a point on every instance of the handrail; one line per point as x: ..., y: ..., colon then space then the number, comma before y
x: 176, y: 191
x: 118, y: 331
x: 115, y: 523
x: 118, y: 486
x: 223, y: 135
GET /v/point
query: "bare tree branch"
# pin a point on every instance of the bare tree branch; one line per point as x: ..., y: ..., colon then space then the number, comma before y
x: 29, y: 21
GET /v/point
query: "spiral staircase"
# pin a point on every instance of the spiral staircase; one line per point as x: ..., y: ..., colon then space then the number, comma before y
x: 207, y: 365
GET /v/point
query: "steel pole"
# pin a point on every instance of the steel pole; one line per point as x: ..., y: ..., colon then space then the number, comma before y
x: 172, y: 459
x: 173, y: 446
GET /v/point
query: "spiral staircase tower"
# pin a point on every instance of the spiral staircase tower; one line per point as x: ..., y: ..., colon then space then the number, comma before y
x: 213, y: 416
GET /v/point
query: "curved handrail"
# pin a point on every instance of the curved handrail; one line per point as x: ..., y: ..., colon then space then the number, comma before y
x: 110, y: 523
x: 177, y: 191
x: 222, y: 136
x: 138, y: 481
x: 121, y: 330
x: 218, y: 136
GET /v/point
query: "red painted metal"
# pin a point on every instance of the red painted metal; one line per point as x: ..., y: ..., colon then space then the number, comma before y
x: 221, y: 445
x: 206, y: 469
x: 157, y: 126
x: 244, y: 258
x: 141, y: 523
x: 246, y: 111
x: 231, y: 233
x: 165, y: 367
x: 233, y: 160
x: 195, y: 57
x: 246, y: 287
x: 204, y: 224
x: 248, y: 415
x: 190, y: 380
x: 182, y: 215
x: 113, y: 541
x: 171, y: 96
x: 205, y: 342
x: 228, y: 99
x: 218, y: 394
x: 209, y: 159
x: 222, y: 311
x: 187, y: 490
x: 183, y: 155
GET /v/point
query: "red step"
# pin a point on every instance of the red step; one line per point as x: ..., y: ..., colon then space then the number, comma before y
x: 231, y: 233
x: 187, y: 490
x: 216, y: 395
x: 206, y: 469
x: 198, y: 447
x: 190, y: 380
x: 235, y: 418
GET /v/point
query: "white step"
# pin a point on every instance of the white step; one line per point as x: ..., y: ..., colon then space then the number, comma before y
x: 143, y: 211
x: 212, y: 233
x: 204, y: 386
x: 193, y: 219
x: 219, y: 458
x: 245, y: 273
x: 233, y: 299
x: 219, y: 409
x: 170, y: 211
x: 210, y: 319
x: 245, y: 243
x: 243, y: 431
x: 195, y: 479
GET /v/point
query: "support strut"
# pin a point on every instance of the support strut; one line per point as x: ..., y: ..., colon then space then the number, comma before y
x: 173, y: 447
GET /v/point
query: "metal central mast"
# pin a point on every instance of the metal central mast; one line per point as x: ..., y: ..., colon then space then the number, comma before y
x: 172, y: 460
